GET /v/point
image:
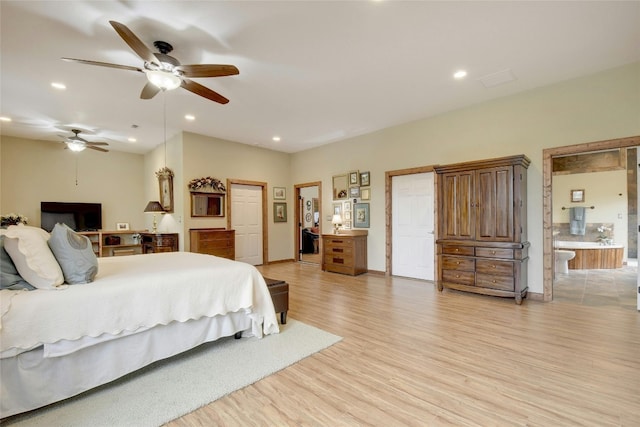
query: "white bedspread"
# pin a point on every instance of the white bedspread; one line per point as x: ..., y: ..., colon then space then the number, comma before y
x: 137, y: 292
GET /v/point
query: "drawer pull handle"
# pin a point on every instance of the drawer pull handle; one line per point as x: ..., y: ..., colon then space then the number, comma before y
x: 493, y: 266
x: 457, y: 276
x: 338, y: 261
x: 493, y: 252
x: 457, y: 250
x: 493, y: 281
x: 338, y: 250
x: 458, y: 262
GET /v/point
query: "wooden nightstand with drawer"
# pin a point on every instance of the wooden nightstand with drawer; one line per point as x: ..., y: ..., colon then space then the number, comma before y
x: 345, y: 253
x: 159, y: 242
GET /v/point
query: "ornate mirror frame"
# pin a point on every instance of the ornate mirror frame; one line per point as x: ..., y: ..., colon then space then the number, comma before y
x: 165, y: 187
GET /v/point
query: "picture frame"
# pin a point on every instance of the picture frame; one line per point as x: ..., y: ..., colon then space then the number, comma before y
x: 577, y: 196
x: 165, y: 186
x: 279, y: 193
x: 365, y: 194
x: 340, y: 185
x: 354, y: 192
x: 122, y: 226
x: 354, y: 178
x: 364, y: 179
x: 337, y: 209
x: 346, y: 207
x: 361, y: 215
x: 279, y: 212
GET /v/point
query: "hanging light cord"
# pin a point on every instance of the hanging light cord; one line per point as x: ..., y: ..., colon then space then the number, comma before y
x: 76, y: 170
x: 164, y: 100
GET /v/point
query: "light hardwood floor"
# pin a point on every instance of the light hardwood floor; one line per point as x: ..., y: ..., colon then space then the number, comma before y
x: 411, y: 356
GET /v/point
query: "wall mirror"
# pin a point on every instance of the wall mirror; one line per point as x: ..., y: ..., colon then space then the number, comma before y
x: 207, y: 204
x: 340, y: 187
x: 165, y: 183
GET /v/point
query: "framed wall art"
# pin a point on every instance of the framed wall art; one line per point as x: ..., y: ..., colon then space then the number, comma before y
x: 279, y: 193
x: 577, y: 196
x: 361, y: 215
x: 165, y: 184
x: 364, y: 179
x: 365, y: 194
x: 279, y: 212
x: 354, y: 192
x: 354, y: 178
x: 340, y: 185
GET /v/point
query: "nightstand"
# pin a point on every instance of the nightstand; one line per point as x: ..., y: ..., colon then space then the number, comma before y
x: 159, y: 242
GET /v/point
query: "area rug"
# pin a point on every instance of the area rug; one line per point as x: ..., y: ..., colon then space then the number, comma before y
x: 171, y: 388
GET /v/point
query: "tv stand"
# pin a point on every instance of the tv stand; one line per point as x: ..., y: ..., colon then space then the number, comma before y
x: 114, y: 243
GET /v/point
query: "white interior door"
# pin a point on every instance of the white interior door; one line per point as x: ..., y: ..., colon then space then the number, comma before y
x: 413, y: 226
x: 246, y: 219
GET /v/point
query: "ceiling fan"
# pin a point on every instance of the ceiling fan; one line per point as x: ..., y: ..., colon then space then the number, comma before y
x: 165, y: 72
x: 75, y: 143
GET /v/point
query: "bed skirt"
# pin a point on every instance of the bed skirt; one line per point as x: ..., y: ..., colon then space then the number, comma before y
x: 30, y: 381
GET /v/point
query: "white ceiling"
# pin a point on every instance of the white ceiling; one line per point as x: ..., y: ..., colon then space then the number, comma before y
x: 310, y: 72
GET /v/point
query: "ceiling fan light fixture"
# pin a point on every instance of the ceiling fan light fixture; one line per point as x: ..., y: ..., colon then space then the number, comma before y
x: 76, y: 146
x: 165, y: 80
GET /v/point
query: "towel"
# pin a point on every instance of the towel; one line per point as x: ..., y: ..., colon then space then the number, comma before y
x: 577, y: 223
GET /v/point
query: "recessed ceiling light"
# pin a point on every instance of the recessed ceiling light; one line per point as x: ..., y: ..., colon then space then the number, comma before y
x: 132, y: 139
x: 57, y: 85
x: 460, y: 74
x: 276, y: 138
x: 190, y: 117
x: 5, y: 119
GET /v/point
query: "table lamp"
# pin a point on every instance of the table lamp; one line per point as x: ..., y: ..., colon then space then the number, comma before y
x: 337, y: 222
x: 154, y: 207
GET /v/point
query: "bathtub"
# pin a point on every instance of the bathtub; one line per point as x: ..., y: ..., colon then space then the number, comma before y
x: 590, y: 255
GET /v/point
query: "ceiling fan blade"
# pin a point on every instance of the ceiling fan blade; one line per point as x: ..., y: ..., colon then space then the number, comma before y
x: 208, y: 70
x: 134, y: 42
x: 149, y: 91
x: 97, y: 148
x: 97, y: 143
x: 203, y: 91
x: 103, y: 64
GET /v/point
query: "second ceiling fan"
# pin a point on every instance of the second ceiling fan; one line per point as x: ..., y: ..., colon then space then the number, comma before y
x: 165, y: 72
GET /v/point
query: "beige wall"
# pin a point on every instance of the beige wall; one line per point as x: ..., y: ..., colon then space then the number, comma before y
x: 37, y: 171
x: 205, y: 156
x: 605, y: 191
x: 593, y: 108
x: 598, y: 107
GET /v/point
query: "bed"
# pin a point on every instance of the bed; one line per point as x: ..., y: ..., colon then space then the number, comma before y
x: 55, y: 344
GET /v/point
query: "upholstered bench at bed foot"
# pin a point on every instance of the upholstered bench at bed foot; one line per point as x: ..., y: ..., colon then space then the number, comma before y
x: 279, y: 290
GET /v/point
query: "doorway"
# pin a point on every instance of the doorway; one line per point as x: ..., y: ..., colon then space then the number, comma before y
x: 390, y: 201
x: 308, y: 224
x: 413, y: 223
x: 548, y: 155
x: 247, y: 215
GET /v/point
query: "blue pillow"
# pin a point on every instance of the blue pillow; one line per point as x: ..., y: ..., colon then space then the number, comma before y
x: 74, y: 253
x: 9, y: 276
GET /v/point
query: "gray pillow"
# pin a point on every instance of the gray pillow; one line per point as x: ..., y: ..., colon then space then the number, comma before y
x: 75, y: 255
x: 9, y: 276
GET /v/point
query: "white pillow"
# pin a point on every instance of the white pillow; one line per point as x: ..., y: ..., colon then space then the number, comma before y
x: 27, y: 246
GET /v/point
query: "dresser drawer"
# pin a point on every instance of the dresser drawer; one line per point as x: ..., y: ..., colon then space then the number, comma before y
x: 462, y: 277
x: 493, y: 267
x: 494, y: 253
x: 337, y: 242
x: 165, y: 241
x: 341, y: 251
x: 458, y: 263
x: 458, y: 250
x: 504, y: 283
x: 214, y: 244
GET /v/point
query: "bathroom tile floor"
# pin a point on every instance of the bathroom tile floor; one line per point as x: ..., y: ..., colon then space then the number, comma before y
x: 616, y: 287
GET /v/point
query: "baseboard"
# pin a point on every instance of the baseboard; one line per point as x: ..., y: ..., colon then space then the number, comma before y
x: 280, y: 261
x: 535, y: 296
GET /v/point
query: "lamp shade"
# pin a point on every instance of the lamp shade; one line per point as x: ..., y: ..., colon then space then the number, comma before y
x: 336, y: 220
x: 154, y: 207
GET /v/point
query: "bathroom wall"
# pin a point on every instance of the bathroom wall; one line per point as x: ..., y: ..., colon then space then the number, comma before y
x: 605, y: 191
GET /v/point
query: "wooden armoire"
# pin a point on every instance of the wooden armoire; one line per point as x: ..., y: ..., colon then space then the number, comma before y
x: 481, y: 240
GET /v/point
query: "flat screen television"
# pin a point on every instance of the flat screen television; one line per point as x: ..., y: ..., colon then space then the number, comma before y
x: 78, y: 216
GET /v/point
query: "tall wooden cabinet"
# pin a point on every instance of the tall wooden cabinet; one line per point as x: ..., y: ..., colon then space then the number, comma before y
x: 482, y: 226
